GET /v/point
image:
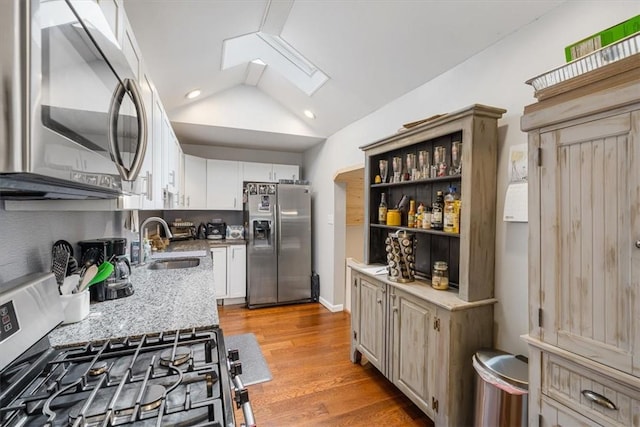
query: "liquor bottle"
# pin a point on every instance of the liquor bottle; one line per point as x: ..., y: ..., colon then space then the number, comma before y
x: 437, y: 211
x: 450, y: 212
x: 382, y: 210
x: 411, y: 216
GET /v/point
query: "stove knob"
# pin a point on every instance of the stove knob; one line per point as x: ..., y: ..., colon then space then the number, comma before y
x: 241, y: 397
x: 236, y: 368
x: 233, y: 354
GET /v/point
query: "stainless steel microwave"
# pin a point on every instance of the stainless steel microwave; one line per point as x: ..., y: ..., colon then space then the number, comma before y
x: 72, y: 122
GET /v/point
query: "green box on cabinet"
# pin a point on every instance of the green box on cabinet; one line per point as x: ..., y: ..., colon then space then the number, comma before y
x: 602, y: 39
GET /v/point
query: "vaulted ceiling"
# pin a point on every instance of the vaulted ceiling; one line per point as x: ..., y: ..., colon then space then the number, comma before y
x: 261, y: 63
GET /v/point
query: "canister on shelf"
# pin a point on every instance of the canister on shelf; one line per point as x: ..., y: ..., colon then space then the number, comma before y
x: 440, y: 275
x: 394, y: 217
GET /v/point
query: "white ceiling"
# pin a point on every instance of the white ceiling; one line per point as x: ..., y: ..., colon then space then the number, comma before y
x: 372, y: 51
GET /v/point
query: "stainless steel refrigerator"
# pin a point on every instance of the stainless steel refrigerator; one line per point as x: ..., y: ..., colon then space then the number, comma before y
x: 278, y: 221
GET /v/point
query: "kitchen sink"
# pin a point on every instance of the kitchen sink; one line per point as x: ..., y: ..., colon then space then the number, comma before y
x: 168, y: 264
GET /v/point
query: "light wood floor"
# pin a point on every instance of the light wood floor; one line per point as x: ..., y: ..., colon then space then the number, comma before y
x: 314, y: 383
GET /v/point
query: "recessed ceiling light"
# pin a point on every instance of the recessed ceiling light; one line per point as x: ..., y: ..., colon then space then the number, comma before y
x: 309, y: 114
x: 193, y: 94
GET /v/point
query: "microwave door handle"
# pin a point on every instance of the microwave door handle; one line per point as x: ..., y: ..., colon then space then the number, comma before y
x: 129, y: 86
x: 141, y: 115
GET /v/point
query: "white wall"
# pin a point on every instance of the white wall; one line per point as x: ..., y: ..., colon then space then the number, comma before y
x: 494, y: 77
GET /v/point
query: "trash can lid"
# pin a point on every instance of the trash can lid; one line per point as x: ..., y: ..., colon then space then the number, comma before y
x: 508, y: 367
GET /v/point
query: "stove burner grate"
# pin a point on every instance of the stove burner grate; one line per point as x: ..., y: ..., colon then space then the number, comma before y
x: 177, y: 378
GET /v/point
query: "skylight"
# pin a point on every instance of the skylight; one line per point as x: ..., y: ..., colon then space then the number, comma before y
x: 276, y: 53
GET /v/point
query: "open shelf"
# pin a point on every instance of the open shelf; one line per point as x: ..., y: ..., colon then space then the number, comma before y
x: 456, y: 177
x: 415, y: 230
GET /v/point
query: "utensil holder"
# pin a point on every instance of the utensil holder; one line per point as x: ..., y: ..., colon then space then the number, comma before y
x: 400, y: 249
x: 75, y: 306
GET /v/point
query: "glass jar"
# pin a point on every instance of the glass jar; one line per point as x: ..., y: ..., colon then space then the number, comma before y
x: 440, y: 275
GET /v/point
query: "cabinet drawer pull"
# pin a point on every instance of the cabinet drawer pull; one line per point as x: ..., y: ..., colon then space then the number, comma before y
x: 598, y: 399
x: 379, y: 301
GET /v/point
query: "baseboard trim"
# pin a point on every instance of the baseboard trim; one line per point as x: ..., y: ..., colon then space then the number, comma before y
x: 331, y: 307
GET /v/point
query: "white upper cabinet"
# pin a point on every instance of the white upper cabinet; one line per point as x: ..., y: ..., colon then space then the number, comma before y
x: 268, y: 172
x: 256, y: 172
x: 285, y: 172
x: 113, y: 11
x: 224, y: 186
x: 195, y: 182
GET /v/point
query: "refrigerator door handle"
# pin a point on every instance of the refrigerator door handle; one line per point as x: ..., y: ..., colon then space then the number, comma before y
x: 279, y: 227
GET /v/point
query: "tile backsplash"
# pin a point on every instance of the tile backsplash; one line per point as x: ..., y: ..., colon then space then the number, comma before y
x: 26, y: 238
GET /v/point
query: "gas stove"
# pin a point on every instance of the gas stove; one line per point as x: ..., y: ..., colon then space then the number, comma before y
x: 173, y: 378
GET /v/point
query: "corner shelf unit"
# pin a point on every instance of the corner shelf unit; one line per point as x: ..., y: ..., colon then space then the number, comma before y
x: 471, y: 253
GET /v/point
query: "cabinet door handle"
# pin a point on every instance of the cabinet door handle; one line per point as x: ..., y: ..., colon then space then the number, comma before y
x: 379, y: 301
x: 638, y: 244
x: 599, y: 399
x: 395, y: 309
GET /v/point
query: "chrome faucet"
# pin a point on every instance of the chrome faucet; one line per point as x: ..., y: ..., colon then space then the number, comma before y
x: 143, y: 225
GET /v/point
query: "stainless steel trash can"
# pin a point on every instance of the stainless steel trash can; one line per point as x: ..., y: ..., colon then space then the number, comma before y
x: 502, y: 387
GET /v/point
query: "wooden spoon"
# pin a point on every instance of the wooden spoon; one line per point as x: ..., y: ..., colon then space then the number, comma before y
x: 89, y: 274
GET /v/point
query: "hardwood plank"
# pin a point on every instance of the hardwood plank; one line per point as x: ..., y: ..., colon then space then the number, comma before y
x: 314, y: 383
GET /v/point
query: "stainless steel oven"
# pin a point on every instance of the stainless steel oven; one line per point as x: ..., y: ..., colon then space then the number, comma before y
x: 73, y: 118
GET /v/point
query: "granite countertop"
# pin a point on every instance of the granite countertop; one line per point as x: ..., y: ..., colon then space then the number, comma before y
x: 163, y: 300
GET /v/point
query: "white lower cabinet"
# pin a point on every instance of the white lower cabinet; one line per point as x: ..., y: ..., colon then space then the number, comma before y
x: 219, y: 256
x: 230, y: 271
x: 422, y: 340
x: 237, y: 271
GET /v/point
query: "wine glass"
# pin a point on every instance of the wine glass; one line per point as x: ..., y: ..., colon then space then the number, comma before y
x: 384, y: 170
x: 397, y: 168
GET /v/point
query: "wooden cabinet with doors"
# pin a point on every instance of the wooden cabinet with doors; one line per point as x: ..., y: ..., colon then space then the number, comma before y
x: 412, y: 335
x: 421, y: 339
x: 369, y: 298
x: 584, y: 248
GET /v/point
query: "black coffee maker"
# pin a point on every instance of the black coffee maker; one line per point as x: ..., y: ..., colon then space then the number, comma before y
x: 113, y: 250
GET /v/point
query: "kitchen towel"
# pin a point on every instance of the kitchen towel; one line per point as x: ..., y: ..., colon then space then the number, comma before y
x: 254, y: 367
